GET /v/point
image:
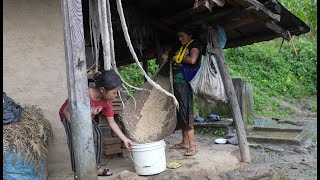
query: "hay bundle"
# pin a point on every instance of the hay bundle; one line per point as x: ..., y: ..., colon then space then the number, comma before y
x: 29, y: 138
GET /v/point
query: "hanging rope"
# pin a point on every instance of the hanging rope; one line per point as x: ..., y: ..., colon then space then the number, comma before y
x: 95, y: 29
x: 127, y: 37
x: 96, y: 20
x: 105, y: 34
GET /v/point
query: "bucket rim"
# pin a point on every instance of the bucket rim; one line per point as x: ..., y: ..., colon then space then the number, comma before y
x: 138, y: 144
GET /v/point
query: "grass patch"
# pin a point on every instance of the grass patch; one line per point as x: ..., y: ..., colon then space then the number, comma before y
x: 212, y: 132
x: 276, y: 74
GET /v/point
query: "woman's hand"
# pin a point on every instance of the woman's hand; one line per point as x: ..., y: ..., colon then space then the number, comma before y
x: 165, y: 54
x: 128, y: 143
x: 164, y: 57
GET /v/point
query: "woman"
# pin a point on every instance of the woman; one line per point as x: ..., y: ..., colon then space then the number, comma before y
x: 108, y: 84
x: 186, y: 60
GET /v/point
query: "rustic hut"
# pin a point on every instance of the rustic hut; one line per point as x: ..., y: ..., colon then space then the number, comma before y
x: 33, y: 41
x: 152, y: 24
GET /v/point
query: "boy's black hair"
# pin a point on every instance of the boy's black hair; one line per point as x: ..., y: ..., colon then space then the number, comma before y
x: 109, y: 80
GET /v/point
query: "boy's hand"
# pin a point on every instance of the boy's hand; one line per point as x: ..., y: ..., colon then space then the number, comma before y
x: 128, y: 143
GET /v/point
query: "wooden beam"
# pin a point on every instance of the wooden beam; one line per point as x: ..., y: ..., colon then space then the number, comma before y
x: 205, y: 19
x: 258, y: 6
x: 179, y: 16
x: 81, y: 123
x: 233, y: 3
x: 183, y: 15
x: 232, y: 98
x: 237, y: 23
x: 277, y: 29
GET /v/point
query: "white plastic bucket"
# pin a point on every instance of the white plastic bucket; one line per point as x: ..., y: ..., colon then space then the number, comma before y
x: 149, y: 158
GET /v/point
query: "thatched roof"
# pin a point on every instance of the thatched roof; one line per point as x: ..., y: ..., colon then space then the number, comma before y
x: 245, y: 22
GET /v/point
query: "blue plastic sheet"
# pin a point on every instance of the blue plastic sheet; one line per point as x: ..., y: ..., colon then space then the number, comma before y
x: 222, y: 36
x: 21, y: 170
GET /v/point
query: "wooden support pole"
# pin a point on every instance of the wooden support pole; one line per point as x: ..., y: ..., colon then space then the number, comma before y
x: 81, y: 123
x: 232, y: 98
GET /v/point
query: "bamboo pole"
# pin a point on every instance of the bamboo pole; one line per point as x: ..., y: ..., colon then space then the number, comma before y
x: 81, y: 123
x: 231, y: 94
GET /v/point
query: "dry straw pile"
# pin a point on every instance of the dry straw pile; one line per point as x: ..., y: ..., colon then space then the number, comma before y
x: 29, y: 137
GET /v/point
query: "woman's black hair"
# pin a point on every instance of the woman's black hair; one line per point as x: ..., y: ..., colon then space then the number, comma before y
x: 108, y: 79
x: 186, y: 29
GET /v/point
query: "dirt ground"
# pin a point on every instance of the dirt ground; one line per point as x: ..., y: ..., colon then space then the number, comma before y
x: 222, y: 161
x: 212, y: 160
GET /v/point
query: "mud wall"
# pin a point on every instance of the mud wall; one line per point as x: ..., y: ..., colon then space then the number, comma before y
x: 33, y: 61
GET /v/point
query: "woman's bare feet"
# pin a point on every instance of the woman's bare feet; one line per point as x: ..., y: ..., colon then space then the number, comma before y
x: 180, y: 146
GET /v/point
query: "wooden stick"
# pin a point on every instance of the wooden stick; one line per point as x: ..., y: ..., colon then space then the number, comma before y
x: 81, y: 123
x: 281, y: 45
x: 277, y: 29
x: 292, y: 43
x: 231, y: 94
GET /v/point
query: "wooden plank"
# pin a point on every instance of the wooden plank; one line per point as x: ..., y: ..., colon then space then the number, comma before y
x: 112, y: 140
x: 111, y: 146
x: 277, y: 29
x: 111, y: 156
x: 117, y: 108
x: 106, y: 130
x: 117, y: 112
x: 112, y: 151
x: 233, y: 3
x: 81, y: 124
x: 237, y: 23
x: 240, y: 2
x: 223, y: 67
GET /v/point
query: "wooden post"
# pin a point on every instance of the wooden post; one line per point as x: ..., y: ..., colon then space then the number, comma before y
x: 223, y: 67
x: 250, y: 103
x: 81, y: 123
x: 239, y: 87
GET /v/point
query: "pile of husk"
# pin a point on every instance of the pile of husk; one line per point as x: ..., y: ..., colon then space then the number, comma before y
x: 29, y: 138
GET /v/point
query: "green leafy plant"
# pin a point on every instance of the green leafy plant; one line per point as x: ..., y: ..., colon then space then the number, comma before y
x: 133, y: 75
x: 220, y: 132
x: 282, y: 75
